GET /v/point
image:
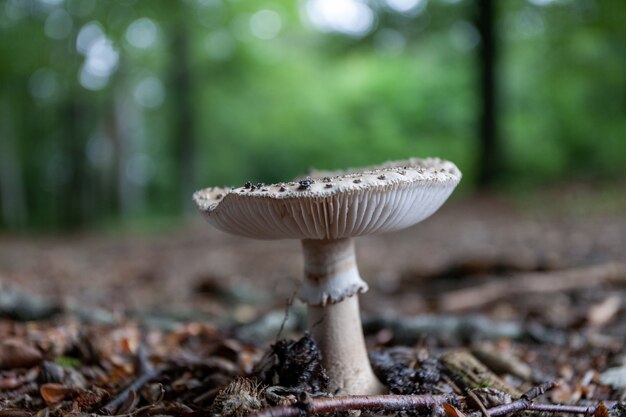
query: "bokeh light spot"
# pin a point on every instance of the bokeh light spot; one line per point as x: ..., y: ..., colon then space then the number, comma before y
x: 389, y: 41
x: 266, y: 24
x: 149, y: 92
x: 102, y: 58
x: 142, y: 33
x: 51, y: 2
x: 87, y: 35
x: 92, y: 81
x: 351, y: 17
x: 407, y: 6
x: 58, y: 24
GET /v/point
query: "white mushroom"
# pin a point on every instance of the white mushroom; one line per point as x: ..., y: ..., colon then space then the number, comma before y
x: 325, y: 212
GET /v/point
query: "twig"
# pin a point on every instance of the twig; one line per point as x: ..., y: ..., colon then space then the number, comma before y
x: 523, y: 404
x: 540, y: 282
x: 146, y: 373
x: 389, y: 403
x: 560, y: 408
x: 479, y: 403
x: 358, y: 402
x: 287, y: 308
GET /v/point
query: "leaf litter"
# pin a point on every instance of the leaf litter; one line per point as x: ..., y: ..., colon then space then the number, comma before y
x: 478, y: 353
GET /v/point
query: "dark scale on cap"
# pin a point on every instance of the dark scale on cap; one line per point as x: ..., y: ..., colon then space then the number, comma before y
x: 282, y: 189
x: 264, y: 189
x: 305, y: 184
x: 356, y: 181
x: 248, y: 184
x: 259, y: 185
x: 382, y: 177
x: 328, y: 185
x: 217, y: 197
x: 326, y: 179
x: 402, y: 172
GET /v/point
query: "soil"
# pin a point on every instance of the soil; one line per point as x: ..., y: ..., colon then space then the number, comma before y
x: 193, y: 310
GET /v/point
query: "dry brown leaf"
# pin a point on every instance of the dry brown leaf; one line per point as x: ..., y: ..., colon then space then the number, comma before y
x: 16, y: 354
x: 601, y: 410
x: 452, y: 411
x: 54, y: 393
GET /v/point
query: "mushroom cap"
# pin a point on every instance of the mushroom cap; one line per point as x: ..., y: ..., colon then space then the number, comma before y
x: 336, y: 205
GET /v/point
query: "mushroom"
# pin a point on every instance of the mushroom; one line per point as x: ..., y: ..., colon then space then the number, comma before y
x: 359, y: 202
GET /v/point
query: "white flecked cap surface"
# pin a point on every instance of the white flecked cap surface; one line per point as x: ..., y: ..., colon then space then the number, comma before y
x: 336, y: 205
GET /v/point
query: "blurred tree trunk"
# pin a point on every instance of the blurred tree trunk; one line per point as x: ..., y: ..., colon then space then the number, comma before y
x: 12, y: 193
x: 72, y: 194
x: 128, y: 137
x: 184, y: 126
x: 489, y: 153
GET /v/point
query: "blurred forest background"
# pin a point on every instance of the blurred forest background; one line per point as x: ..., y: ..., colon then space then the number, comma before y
x: 113, y: 111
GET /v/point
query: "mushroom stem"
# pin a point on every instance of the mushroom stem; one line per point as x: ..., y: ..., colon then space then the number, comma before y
x: 330, y: 271
x: 330, y: 288
x: 338, y: 333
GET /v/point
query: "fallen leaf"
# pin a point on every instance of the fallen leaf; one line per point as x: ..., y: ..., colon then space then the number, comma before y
x: 452, y: 411
x: 601, y: 410
x: 54, y: 393
x: 16, y: 354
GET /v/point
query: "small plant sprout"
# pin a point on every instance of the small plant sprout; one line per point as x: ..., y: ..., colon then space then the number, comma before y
x: 359, y: 202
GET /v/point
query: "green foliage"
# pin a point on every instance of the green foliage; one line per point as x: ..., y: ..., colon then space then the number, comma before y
x: 67, y: 362
x: 210, y: 103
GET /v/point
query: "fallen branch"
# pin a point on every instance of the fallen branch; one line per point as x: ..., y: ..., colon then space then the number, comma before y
x: 358, y: 402
x: 539, y: 282
x: 469, y: 373
x: 392, y: 403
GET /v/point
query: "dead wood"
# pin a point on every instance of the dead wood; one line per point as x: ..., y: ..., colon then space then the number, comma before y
x: 536, y: 282
x: 394, y: 403
x: 358, y: 402
x: 505, y: 362
x: 469, y: 373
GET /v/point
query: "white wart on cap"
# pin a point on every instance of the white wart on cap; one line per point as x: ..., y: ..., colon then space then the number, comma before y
x: 372, y: 200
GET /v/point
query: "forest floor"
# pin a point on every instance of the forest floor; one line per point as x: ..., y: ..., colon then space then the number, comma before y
x: 489, y: 298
